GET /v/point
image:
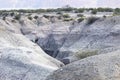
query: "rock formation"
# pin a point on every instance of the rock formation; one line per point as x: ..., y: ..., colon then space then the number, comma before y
x: 99, y: 67
x: 20, y: 59
x: 93, y: 43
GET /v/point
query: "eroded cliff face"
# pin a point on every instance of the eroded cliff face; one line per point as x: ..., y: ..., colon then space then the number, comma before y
x: 20, y: 58
x: 49, y: 35
x: 62, y: 39
x: 24, y: 41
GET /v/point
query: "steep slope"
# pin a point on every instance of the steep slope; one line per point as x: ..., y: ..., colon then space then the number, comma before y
x: 49, y: 36
x: 20, y: 59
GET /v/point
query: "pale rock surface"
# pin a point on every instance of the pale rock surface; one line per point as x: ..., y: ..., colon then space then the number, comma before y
x: 20, y: 59
x: 99, y: 67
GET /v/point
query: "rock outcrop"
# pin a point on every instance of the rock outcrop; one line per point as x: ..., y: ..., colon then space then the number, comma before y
x: 99, y: 67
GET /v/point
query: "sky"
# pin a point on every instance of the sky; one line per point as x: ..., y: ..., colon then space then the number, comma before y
x: 36, y: 4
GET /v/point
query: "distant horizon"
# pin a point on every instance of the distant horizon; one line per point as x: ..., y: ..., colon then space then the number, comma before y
x: 47, y: 4
x: 52, y: 8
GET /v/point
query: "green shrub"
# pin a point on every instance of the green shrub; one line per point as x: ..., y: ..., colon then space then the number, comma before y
x: 59, y: 13
x: 94, y: 11
x: 29, y: 14
x: 104, y: 9
x: 46, y: 16
x: 59, y: 17
x: 67, y: 9
x: 68, y: 19
x: 66, y: 15
x: 13, y: 21
x: 17, y: 17
x: 85, y: 53
x: 117, y: 11
x: 80, y: 20
x: 4, y: 18
x: 36, y: 17
x: 104, y: 16
x: 80, y: 15
x: 80, y: 10
x: 5, y: 14
x: 30, y: 18
x: 91, y: 20
x: 12, y: 14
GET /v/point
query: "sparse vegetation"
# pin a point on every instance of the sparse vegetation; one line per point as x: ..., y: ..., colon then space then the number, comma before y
x: 12, y: 14
x: 66, y: 16
x: 80, y: 20
x: 68, y: 19
x: 59, y: 13
x: 4, y: 18
x: 86, y: 53
x: 46, y: 16
x: 91, y: 20
x: 29, y: 14
x: 59, y: 10
x: 105, y: 9
x: 30, y: 18
x: 80, y: 15
x: 94, y: 11
x: 59, y: 17
x: 17, y: 17
x: 117, y: 11
x: 5, y: 14
x: 80, y: 10
x: 13, y: 21
x: 104, y: 16
x: 35, y: 17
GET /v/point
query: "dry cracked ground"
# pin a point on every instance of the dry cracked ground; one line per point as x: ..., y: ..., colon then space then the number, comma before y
x: 59, y: 47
